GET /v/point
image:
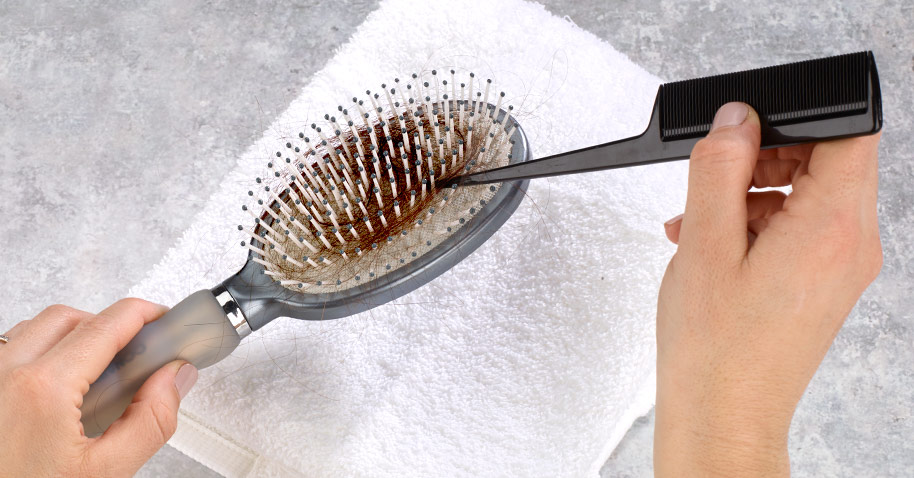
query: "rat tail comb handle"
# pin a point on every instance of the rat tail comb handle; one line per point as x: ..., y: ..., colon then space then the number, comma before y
x: 803, y: 102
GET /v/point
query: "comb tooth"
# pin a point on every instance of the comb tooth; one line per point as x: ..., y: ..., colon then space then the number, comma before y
x: 375, y: 160
x: 362, y: 193
x: 485, y: 100
x: 377, y: 195
x: 795, y: 92
x: 453, y: 85
x: 470, y: 88
x: 258, y: 221
x: 501, y: 97
x: 374, y: 102
x: 361, y: 168
x: 292, y: 282
x: 448, y: 121
x: 387, y: 137
x: 461, y: 106
x: 418, y: 82
x: 348, y: 212
x: 399, y: 89
x: 440, y: 152
x: 336, y: 232
x: 347, y: 183
x: 277, y: 275
x: 390, y: 102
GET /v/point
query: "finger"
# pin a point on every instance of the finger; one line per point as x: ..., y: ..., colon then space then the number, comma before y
x: 720, y: 172
x: 774, y: 172
x: 147, y: 424
x: 832, y: 207
x: 759, y: 205
x: 777, y: 167
x: 762, y: 204
x: 45, y: 330
x: 18, y: 329
x: 756, y: 226
x: 672, y: 228
x: 82, y: 355
x: 12, y: 335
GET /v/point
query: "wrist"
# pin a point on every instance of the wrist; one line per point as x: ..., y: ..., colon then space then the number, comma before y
x: 719, y: 437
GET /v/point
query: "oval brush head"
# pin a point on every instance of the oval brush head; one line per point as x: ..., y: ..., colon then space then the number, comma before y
x: 359, y: 195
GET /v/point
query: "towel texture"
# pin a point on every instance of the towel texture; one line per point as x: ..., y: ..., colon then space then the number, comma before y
x: 530, y: 358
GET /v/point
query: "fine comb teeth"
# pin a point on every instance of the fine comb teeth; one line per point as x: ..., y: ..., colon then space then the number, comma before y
x: 808, y: 101
x: 792, y: 93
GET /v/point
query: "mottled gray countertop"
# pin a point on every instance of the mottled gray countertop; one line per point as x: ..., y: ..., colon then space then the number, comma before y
x: 109, y: 109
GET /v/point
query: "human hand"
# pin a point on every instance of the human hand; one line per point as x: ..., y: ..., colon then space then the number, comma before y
x: 756, y: 292
x: 47, y: 367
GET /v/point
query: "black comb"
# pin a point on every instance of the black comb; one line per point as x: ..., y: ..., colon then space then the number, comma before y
x: 807, y: 101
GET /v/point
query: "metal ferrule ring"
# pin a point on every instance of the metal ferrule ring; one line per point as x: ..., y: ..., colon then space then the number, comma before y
x: 232, y: 311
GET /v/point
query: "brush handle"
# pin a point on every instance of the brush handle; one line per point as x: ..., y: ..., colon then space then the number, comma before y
x: 197, y: 330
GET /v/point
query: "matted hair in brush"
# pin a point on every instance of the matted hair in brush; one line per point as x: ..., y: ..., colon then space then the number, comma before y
x: 359, y: 195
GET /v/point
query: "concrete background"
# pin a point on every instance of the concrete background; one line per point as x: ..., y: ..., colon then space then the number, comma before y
x: 108, y: 109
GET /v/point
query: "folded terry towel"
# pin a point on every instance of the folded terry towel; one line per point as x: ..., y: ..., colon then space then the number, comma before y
x: 530, y: 358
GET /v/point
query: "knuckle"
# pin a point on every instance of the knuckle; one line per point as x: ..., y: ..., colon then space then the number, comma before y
x: 62, y: 315
x: 133, y: 303
x: 31, y: 382
x: 57, y: 310
x: 92, y: 325
x: 875, y: 261
x: 718, y: 149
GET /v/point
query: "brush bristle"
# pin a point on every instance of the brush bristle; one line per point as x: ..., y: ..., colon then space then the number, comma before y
x: 359, y: 195
x: 780, y: 94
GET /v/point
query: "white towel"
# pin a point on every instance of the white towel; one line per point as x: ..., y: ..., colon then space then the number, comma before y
x: 530, y: 358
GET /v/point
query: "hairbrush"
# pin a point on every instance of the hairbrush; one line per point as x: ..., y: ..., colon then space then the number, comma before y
x: 352, y: 214
x: 802, y: 102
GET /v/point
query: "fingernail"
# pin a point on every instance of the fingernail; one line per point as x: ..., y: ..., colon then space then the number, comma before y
x: 672, y: 220
x: 185, y: 379
x: 730, y: 114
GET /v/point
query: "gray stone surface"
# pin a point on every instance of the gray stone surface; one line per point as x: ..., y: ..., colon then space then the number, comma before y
x: 107, y: 109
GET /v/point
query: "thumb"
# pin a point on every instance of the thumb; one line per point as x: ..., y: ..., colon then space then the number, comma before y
x: 720, y: 172
x: 148, y: 423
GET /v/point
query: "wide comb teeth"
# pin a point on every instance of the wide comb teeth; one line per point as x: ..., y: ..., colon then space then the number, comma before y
x: 344, y: 194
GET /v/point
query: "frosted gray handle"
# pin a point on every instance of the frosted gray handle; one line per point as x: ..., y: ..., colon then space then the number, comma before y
x: 196, y: 330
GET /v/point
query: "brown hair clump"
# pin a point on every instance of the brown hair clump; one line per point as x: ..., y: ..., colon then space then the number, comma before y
x: 356, y: 204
